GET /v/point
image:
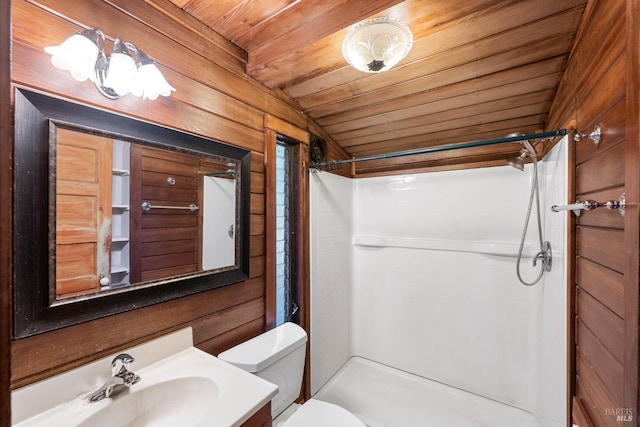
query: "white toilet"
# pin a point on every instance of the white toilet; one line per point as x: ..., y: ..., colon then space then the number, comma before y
x: 278, y: 357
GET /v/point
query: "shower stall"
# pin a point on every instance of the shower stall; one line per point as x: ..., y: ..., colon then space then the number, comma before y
x: 414, y: 285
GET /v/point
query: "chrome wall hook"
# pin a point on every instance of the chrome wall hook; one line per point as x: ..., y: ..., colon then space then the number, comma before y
x: 595, y: 135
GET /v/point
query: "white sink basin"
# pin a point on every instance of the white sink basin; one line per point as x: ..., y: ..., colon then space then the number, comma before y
x: 185, y: 388
x: 163, y: 404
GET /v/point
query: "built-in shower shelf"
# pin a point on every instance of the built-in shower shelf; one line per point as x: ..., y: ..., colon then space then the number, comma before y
x: 506, y: 249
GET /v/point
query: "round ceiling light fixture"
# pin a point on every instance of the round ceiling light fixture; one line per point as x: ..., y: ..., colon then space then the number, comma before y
x: 376, y: 45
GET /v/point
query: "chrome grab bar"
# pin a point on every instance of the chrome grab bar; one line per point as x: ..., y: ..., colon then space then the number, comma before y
x: 588, y: 205
x: 146, y: 206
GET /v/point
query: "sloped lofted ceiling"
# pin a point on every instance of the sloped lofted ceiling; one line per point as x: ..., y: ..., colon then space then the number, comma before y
x: 478, y: 69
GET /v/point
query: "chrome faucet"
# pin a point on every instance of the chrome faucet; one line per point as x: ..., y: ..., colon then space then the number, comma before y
x: 121, y: 378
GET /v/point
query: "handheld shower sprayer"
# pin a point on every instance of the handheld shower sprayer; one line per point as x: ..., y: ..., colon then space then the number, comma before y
x: 544, y: 254
x: 527, y: 151
x: 518, y: 162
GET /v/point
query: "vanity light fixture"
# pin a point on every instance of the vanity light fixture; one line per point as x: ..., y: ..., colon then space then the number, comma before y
x: 376, y: 45
x: 127, y: 70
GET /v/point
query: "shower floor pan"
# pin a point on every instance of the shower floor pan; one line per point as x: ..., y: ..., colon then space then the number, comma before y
x: 386, y: 397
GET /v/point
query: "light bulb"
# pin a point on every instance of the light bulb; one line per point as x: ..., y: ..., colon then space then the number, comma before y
x: 150, y: 79
x: 121, y: 72
x: 153, y: 82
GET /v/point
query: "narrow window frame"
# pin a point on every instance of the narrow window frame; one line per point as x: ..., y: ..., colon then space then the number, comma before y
x: 291, y: 218
x: 300, y: 138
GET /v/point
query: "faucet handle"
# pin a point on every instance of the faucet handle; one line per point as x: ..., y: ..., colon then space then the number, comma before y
x: 120, y: 363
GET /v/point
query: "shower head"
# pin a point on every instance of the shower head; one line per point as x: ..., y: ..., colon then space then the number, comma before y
x: 527, y: 151
x: 518, y: 162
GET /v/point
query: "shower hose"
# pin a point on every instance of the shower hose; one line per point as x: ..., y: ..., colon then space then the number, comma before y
x: 542, y: 255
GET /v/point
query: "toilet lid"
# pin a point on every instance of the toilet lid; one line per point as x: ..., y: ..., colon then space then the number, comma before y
x: 316, y: 413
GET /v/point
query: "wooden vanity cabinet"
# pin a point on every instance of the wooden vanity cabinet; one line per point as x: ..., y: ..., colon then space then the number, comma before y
x: 262, y: 418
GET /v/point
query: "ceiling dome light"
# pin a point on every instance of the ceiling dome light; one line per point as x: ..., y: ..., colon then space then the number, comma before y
x: 376, y: 45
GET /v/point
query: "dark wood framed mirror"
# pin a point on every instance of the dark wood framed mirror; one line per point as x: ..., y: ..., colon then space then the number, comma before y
x: 113, y: 214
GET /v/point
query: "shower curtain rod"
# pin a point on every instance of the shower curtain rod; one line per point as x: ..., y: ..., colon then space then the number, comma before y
x: 517, y: 138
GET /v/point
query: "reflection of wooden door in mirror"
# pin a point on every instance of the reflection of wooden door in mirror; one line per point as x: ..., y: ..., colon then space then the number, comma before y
x: 83, y: 212
x: 164, y: 240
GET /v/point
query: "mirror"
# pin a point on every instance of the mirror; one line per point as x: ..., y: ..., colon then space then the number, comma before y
x: 127, y: 213
x: 113, y: 214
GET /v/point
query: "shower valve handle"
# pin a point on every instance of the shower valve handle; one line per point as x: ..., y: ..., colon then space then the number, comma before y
x: 545, y: 256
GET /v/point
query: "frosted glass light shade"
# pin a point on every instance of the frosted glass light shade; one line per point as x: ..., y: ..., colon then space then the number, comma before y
x: 77, y: 54
x: 127, y: 70
x: 377, y: 45
x: 152, y: 82
x: 121, y: 75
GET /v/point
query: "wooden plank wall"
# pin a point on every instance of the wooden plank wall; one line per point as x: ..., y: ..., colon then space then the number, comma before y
x: 605, y: 281
x: 215, y: 99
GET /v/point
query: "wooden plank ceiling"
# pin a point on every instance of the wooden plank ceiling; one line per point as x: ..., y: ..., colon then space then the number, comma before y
x: 478, y: 69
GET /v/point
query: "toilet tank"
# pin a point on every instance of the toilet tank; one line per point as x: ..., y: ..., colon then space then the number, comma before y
x: 276, y: 356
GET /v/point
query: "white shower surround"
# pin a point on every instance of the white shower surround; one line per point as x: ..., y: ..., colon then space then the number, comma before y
x: 478, y: 328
